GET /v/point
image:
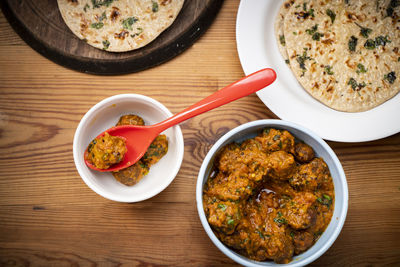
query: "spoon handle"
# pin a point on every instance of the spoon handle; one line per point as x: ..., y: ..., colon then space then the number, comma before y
x: 245, y: 86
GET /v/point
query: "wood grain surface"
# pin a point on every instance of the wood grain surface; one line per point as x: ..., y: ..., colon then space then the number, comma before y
x: 41, y: 25
x: 49, y: 217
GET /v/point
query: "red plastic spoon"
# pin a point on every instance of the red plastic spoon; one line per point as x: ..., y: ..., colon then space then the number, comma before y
x: 139, y: 138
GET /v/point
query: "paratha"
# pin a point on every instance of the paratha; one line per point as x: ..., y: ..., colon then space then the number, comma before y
x: 119, y: 25
x: 279, y: 20
x: 345, y: 53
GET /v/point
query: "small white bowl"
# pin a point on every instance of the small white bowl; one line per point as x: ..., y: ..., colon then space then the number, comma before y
x: 321, y: 149
x: 105, y: 115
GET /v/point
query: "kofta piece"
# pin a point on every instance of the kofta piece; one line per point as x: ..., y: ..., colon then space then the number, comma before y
x: 130, y: 120
x: 300, y: 212
x: 105, y: 151
x: 224, y: 216
x: 232, y: 187
x: 274, y: 140
x: 310, y: 176
x: 302, y: 240
x: 303, y: 152
x: 133, y: 174
x: 281, y: 165
x: 157, y: 149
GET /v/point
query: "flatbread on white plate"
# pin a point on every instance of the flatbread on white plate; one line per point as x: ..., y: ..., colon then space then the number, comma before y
x: 345, y: 53
x: 279, y: 21
x: 119, y: 25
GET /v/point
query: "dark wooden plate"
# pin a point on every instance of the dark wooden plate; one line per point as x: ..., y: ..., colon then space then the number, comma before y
x: 40, y: 25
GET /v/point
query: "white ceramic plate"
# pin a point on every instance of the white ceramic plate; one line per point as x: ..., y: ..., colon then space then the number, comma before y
x: 258, y: 49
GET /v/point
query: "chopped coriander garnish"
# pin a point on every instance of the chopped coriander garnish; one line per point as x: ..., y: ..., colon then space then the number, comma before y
x: 155, y: 6
x: 364, y: 31
x: 287, y: 61
x: 103, y: 16
x: 140, y: 30
x: 361, y: 68
x: 127, y: 23
x: 231, y: 221
x: 282, y: 40
x: 331, y: 14
x: 325, y: 200
x: 106, y: 44
x: 99, y: 3
x: 222, y: 207
x: 280, y: 220
x: 260, y: 234
x: 390, y: 77
x: 302, y: 59
x: 370, y: 44
x: 382, y: 40
x: 317, y: 36
x: 97, y: 25
x: 312, y: 30
x: 328, y: 70
x: 352, y: 43
x: 86, y: 7
x: 354, y: 85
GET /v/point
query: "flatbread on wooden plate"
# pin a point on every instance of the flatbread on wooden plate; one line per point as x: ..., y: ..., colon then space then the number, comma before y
x: 119, y: 25
x: 345, y: 53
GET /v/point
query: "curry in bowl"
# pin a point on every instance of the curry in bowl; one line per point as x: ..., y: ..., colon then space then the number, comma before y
x: 107, y: 150
x: 269, y: 197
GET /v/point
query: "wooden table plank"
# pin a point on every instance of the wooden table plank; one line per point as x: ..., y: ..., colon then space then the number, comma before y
x: 49, y: 217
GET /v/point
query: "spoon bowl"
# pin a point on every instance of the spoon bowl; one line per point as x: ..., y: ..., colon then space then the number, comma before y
x: 139, y: 138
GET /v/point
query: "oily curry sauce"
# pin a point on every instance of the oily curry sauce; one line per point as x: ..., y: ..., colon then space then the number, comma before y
x: 269, y: 198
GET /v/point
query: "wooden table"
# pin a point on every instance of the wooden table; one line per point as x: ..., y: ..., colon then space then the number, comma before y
x: 49, y: 217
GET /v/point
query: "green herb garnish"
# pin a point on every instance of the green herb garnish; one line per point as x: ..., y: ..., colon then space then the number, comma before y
x: 97, y: 25
x: 312, y: 30
x: 364, y: 31
x: 370, y: 44
x: 379, y: 41
x: 282, y: 40
x: 328, y: 70
x: 222, y: 207
x: 155, y: 6
x: 352, y: 43
x: 86, y: 7
x: 361, y: 68
x: 302, y: 59
x: 280, y: 220
x: 231, y: 221
x: 287, y: 61
x: 382, y: 40
x: 390, y: 77
x: 127, y: 23
x: 354, y: 85
x: 331, y: 14
x: 103, y: 16
x: 99, y: 3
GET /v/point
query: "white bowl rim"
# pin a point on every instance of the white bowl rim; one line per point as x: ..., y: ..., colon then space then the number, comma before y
x: 281, y: 123
x: 108, y: 101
